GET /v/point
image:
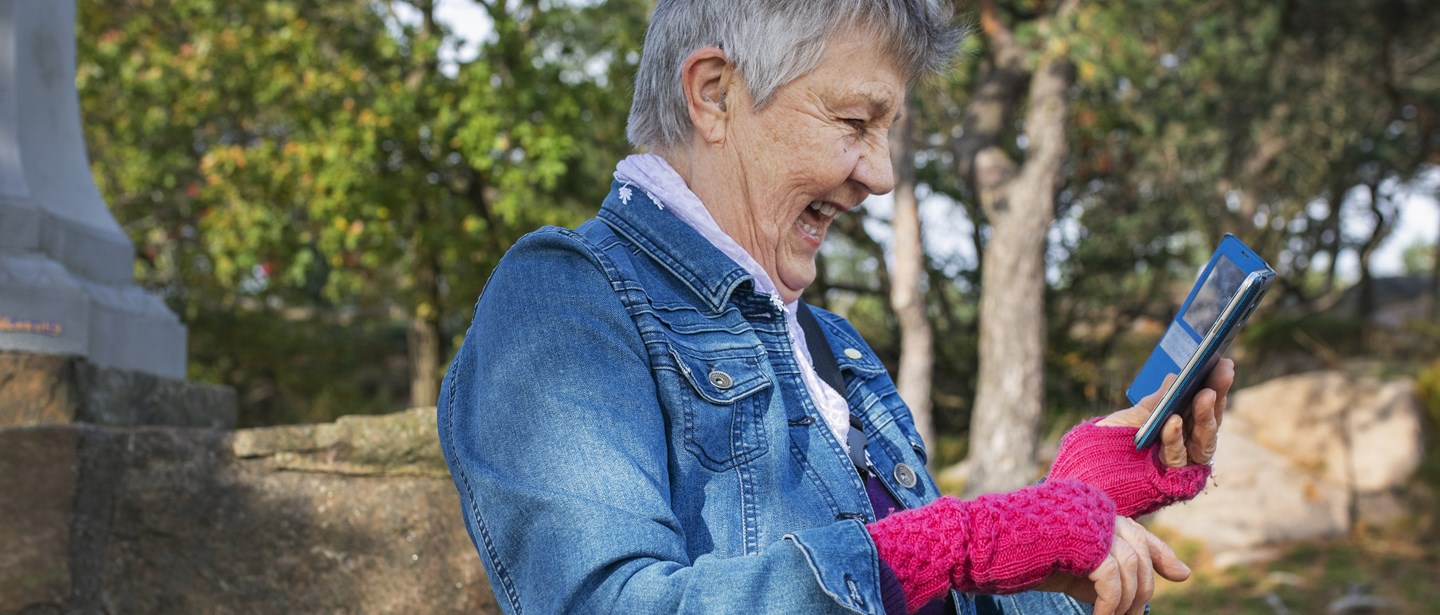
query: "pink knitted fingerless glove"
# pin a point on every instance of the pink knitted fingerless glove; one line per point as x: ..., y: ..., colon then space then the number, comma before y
x: 1137, y: 481
x: 998, y: 543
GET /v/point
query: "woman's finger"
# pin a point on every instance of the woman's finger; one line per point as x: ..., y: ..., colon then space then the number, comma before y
x: 1129, y: 562
x: 1220, y: 381
x: 1106, y: 579
x: 1204, y: 429
x: 1172, y: 442
x: 1222, y: 387
x: 1144, y: 580
x: 1164, y: 559
x: 1143, y: 572
x: 1135, y: 415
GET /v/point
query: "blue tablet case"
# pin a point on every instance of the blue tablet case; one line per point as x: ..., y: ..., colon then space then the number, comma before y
x: 1218, y: 282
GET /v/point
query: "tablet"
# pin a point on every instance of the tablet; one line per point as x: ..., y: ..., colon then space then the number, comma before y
x: 1224, y: 296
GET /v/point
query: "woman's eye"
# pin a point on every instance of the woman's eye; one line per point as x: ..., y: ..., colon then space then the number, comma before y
x: 861, y: 127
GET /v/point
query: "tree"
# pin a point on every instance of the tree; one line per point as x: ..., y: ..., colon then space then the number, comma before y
x: 1019, y: 203
x: 914, y: 379
x: 321, y: 156
x: 1267, y: 120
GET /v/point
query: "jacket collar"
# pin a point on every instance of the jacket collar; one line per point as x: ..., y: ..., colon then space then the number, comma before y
x: 638, y: 217
x: 635, y: 215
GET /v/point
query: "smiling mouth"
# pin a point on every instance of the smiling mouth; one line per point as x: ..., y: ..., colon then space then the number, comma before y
x: 816, y: 218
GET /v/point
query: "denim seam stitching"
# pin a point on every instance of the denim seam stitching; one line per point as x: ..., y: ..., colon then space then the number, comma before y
x: 713, y: 297
x: 809, y: 557
x: 501, y: 570
x: 809, y: 469
x: 743, y: 405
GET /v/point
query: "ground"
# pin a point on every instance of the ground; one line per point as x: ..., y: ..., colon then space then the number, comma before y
x: 1400, y: 566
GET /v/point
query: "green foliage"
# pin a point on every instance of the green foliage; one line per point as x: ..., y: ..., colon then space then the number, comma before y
x: 311, y: 155
x: 1419, y: 258
x: 1427, y: 388
x: 1312, y: 333
x: 303, y: 174
x: 289, y: 368
x: 1200, y: 119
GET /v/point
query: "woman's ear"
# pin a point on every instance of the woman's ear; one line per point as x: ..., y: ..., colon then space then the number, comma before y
x: 706, y: 78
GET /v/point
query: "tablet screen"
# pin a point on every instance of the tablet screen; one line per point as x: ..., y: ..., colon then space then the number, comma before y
x: 1220, y: 286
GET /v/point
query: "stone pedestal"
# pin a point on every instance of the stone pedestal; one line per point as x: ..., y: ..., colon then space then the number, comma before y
x: 66, y: 267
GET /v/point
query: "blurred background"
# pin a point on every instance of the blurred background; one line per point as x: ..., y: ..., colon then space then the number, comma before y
x: 320, y: 189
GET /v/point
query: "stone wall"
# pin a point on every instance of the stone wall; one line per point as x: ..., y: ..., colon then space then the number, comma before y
x: 356, y: 516
x: 37, y: 389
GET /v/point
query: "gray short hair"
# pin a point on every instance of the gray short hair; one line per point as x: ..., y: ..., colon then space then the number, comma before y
x: 771, y: 43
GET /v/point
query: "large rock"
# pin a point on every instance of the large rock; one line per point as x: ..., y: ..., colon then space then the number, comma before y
x: 354, y: 517
x: 1304, y: 456
x: 397, y: 444
x: 1358, y: 433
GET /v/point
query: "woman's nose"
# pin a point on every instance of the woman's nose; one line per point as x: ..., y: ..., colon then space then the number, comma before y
x: 875, y: 170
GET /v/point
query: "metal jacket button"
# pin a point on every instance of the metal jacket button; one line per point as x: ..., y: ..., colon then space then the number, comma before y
x: 853, y: 353
x: 905, y: 476
x: 721, y: 380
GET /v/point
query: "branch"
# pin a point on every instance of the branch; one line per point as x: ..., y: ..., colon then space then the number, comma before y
x: 851, y: 227
x: 991, y: 109
x: 993, y: 28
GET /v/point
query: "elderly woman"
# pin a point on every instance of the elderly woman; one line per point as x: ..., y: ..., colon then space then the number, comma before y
x: 644, y: 418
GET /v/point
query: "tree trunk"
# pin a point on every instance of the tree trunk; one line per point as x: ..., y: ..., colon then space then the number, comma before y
x: 1365, y: 305
x: 917, y: 353
x: 1010, y: 393
x: 1337, y: 241
x: 422, y: 335
x: 423, y: 344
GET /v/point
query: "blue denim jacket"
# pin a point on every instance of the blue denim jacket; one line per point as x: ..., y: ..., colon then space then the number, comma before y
x: 629, y: 432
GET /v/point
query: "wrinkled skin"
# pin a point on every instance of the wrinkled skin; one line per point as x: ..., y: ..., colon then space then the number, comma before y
x: 774, y: 178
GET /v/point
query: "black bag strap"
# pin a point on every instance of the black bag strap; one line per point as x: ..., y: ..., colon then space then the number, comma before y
x: 829, y: 371
x: 820, y: 352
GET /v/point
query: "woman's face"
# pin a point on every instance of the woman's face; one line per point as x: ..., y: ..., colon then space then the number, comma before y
x: 818, y: 149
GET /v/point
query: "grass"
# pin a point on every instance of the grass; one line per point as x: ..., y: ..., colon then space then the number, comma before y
x: 1307, y: 577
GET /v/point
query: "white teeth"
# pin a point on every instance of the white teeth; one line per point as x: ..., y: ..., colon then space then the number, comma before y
x: 809, y: 229
x: 825, y: 209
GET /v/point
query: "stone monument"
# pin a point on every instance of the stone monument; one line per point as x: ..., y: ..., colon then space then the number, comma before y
x: 66, y: 267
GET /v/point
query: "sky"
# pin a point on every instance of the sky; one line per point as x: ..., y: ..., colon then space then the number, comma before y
x: 1418, y: 222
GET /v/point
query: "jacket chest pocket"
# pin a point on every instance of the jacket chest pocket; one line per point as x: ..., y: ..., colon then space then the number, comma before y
x: 721, y: 398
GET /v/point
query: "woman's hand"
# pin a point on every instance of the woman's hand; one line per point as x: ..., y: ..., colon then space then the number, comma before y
x: 999, y: 543
x: 1191, y: 439
x: 1101, y: 452
x: 1125, y: 581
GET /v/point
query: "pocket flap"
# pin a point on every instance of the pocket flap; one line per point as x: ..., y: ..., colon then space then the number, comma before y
x: 721, y: 379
